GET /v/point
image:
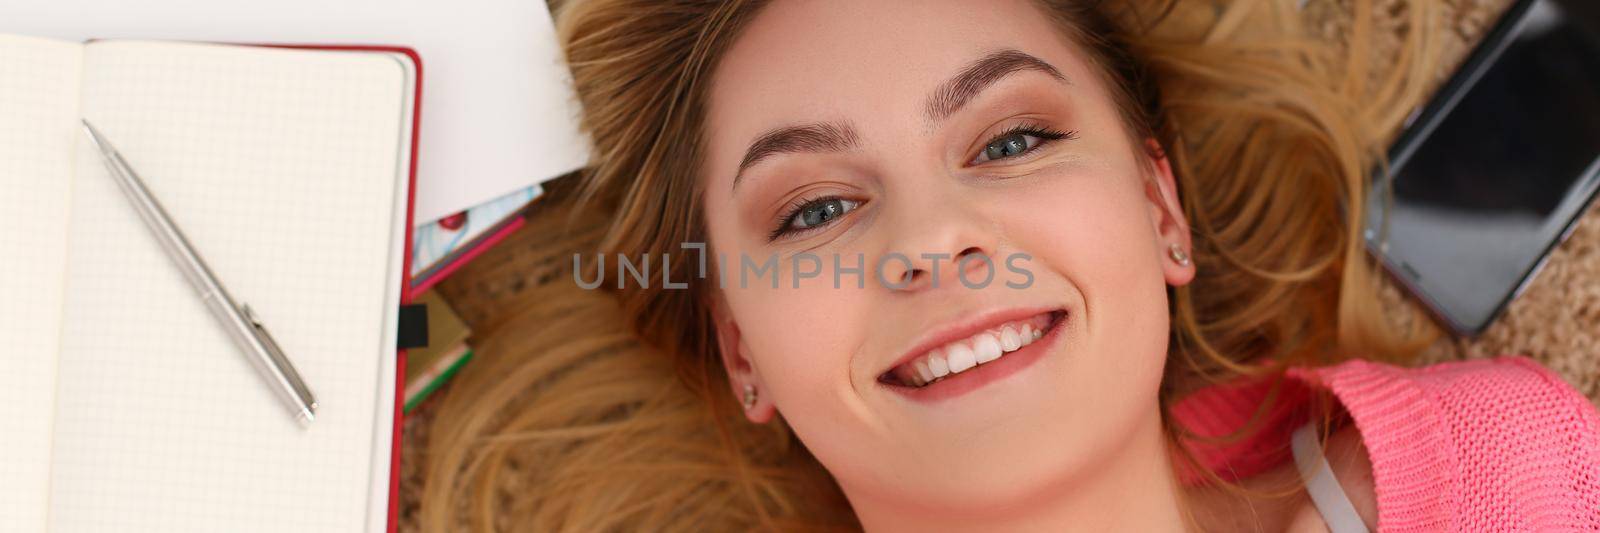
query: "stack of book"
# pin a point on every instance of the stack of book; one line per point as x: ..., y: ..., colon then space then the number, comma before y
x: 428, y: 368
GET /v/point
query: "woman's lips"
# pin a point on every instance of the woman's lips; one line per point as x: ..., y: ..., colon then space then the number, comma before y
x: 955, y: 367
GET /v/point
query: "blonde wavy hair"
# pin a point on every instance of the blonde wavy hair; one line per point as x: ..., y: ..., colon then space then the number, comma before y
x: 1273, y: 135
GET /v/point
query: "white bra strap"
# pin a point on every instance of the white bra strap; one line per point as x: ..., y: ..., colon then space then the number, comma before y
x: 1326, y: 494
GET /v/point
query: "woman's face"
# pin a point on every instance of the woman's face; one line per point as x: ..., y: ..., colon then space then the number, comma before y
x: 849, y: 131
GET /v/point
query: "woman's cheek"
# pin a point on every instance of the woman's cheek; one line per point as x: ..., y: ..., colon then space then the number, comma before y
x: 803, y: 338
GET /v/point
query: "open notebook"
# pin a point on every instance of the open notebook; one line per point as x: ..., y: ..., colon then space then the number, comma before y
x: 126, y: 408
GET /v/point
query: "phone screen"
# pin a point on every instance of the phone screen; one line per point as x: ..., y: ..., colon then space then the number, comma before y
x: 1488, y: 177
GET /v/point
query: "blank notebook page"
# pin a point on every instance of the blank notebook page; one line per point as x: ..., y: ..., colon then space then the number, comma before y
x: 38, y: 101
x: 282, y: 168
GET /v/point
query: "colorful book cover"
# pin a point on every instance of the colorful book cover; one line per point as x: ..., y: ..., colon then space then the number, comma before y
x: 441, y: 246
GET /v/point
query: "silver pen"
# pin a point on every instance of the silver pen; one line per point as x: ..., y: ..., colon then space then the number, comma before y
x: 241, y: 324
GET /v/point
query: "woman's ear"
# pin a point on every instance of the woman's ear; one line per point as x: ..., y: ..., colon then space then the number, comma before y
x: 749, y: 391
x: 1166, y: 215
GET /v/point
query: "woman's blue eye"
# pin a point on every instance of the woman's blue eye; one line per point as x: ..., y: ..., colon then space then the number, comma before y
x: 1020, y: 140
x: 1008, y: 146
x: 820, y: 212
x: 812, y: 214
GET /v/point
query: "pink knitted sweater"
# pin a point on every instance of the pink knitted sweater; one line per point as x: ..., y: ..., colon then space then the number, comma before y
x: 1498, y: 444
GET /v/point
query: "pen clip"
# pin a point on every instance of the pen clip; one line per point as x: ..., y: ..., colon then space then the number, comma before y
x: 276, y: 353
x: 261, y: 331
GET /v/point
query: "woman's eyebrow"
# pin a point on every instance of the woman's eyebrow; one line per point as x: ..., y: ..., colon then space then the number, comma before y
x: 812, y: 138
x: 961, y: 88
x: 943, y: 102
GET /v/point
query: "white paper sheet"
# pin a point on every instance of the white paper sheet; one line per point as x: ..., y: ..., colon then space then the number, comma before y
x: 497, y: 107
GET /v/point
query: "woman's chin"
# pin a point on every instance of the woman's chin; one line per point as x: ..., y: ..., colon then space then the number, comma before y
x: 974, y: 472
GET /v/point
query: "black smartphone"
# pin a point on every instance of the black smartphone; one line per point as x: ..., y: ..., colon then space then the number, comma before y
x: 1493, y: 173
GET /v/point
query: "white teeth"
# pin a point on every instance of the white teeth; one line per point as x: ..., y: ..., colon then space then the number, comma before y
x: 923, y: 373
x: 937, y: 364
x: 963, y: 355
x: 1010, y: 341
x: 986, y: 348
x: 960, y: 357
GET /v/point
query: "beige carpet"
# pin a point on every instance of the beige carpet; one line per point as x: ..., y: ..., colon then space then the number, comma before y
x: 1556, y: 321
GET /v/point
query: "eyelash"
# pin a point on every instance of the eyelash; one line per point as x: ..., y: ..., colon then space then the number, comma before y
x: 1046, y: 135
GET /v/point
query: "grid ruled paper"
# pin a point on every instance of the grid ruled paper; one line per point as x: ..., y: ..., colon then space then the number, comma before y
x: 282, y: 168
x: 38, y: 105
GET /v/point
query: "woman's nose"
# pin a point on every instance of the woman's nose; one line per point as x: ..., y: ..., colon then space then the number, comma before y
x: 938, y: 240
x: 970, y: 267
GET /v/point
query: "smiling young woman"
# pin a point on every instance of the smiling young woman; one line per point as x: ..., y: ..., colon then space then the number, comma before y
x: 1185, y: 208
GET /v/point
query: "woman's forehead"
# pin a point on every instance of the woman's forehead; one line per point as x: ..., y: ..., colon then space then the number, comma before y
x: 835, y: 61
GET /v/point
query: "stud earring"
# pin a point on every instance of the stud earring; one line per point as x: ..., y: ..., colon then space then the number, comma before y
x: 749, y: 399
x: 1178, y: 254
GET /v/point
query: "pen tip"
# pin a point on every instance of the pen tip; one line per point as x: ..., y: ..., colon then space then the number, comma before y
x: 305, y: 416
x: 94, y: 134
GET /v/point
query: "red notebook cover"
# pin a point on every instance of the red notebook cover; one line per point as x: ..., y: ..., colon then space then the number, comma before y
x: 406, y: 294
